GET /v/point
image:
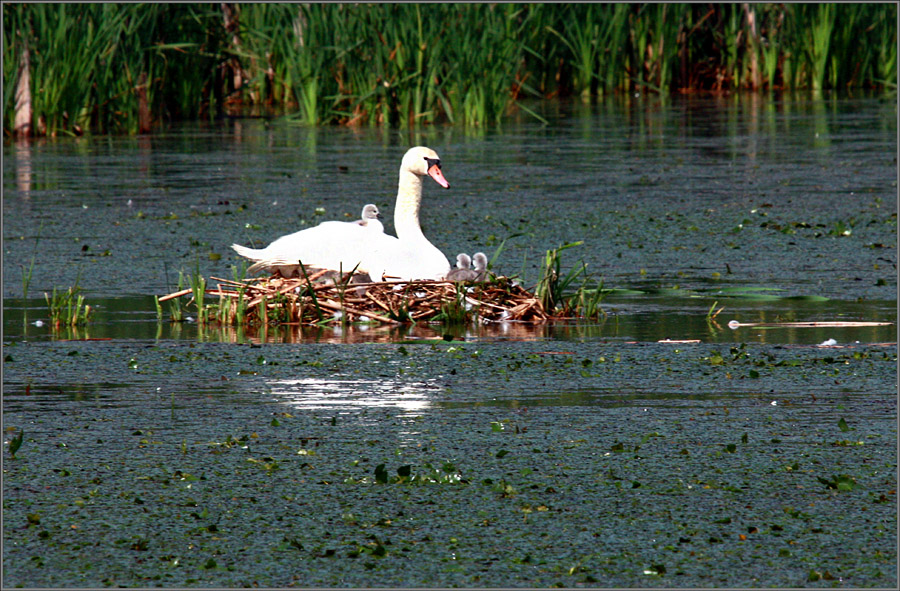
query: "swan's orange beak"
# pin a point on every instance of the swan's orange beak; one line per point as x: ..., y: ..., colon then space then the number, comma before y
x: 434, y: 171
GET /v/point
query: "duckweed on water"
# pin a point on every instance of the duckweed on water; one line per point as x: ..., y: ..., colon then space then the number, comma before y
x: 599, y: 476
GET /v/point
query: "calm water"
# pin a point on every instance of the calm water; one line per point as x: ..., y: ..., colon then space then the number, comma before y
x: 678, y: 199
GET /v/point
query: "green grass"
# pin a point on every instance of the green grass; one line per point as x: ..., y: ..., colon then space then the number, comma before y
x: 552, y: 285
x: 95, y: 66
x: 67, y: 308
x: 454, y: 311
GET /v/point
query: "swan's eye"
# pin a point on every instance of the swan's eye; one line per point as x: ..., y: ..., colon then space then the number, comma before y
x: 433, y: 162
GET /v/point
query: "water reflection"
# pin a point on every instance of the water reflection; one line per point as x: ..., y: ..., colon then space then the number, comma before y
x: 337, y: 394
x: 44, y: 397
x: 613, y: 397
x: 645, y: 318
x: 23, y: 168
x: 404, y: 401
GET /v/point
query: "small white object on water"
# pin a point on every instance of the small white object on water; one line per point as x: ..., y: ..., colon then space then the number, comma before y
x: 38, y: 323
x: 774, y: 403
x: 733, y: 324
x: 189, y: 319
x: 828, y: 343
x: 364, y: 318
x: 130, y: 203
x: 338, y: 315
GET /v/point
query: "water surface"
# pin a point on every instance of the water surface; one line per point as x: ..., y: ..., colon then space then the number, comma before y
x: 652, y: 446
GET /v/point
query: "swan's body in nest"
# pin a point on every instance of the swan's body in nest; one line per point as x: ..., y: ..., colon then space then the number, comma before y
x: 348, y: 245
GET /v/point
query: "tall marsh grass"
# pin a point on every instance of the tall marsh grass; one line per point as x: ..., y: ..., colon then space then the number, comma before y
x: 124, y: 68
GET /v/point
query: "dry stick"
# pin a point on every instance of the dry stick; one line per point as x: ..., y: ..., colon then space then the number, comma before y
x: 222, y: 292
x: 231, y: 281
x: 384, y: 306
x: 475, y: 302
x: 249, y: 282
x: 377, y: 301
x: 808, y: 324
x: 282, y: 290
x: 338, y: 307
x: 177, y: 294
x: 404, y: 282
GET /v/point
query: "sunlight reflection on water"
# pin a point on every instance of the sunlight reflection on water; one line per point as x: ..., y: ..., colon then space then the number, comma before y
x: 316, y: 393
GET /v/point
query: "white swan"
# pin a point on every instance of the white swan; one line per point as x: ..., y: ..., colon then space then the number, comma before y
x: 347, y: 245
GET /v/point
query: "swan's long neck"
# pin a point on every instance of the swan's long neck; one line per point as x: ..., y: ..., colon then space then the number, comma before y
x: 406, y: 211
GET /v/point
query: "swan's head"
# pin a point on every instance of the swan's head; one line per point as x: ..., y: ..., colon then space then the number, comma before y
x: 480, y: 261
x: 463, y: 261
x: 370, y: 212
x: 424, y: 161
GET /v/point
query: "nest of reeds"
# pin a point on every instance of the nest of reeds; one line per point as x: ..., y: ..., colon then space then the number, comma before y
x: 310, y: 301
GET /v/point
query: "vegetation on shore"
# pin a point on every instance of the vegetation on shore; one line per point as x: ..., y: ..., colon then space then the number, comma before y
x: 124, y: 68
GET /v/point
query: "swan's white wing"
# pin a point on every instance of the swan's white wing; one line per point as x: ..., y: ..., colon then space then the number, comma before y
x: 330, y: 245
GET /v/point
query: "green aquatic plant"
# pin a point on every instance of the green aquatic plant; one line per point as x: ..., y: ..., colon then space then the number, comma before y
x: 712, y: 312
x: 401, y: 314
x: 839, y: 482
x: 28, y: 271
x: 238, y: 274
x: 176, y: 309
x: 16, y: 442
x: 454, y: 310
x: 445, y: 473
x: 312, y: 293
x: 198, y: 291
x: 67, y: 308
x: 109, y: 67
x: 500, y: 248
x: 341, y: 283
x: 122, y: 68
x: 552, y: 285
x: 585, y: 302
